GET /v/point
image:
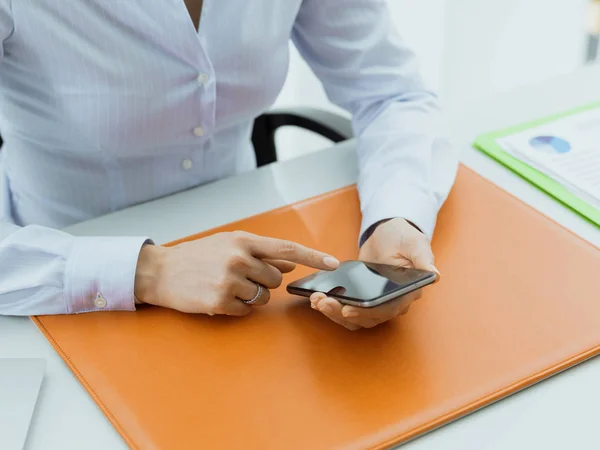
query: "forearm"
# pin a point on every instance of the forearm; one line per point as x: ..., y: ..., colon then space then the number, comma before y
x: 407, y: 164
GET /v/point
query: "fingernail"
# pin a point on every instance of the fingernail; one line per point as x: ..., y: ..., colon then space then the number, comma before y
x: 331, y: 262
x: 326, y: 309
x: 436, y: 270
x: 350, y: 314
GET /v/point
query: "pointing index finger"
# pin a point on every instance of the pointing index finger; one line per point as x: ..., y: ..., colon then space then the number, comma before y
x: 270, y: 248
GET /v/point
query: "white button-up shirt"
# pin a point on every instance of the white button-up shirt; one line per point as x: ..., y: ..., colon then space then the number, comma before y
x: 107, y: 103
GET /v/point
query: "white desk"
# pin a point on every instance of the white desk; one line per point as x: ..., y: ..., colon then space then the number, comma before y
x: 559, y: 413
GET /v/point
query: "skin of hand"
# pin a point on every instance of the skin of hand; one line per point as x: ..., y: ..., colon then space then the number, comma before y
x: 397, y: 243
x: 215, y: 274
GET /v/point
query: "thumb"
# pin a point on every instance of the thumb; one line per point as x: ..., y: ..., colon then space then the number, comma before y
x: 422, y: 257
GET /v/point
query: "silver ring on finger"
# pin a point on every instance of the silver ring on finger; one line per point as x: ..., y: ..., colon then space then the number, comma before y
x: 259, y: 291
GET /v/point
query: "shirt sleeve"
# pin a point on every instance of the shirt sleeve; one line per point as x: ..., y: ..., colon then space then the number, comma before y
x: 46, y: 271
x: 406, y: 163
x: 6, y: 23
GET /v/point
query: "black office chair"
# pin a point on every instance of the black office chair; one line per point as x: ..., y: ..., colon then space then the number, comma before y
x: 329, y: 125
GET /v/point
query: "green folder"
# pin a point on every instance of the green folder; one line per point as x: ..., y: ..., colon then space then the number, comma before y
x: 487, y: 143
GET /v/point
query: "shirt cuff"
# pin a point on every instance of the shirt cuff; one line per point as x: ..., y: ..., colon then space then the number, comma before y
x: 397, y: 200
x: 100, y: 274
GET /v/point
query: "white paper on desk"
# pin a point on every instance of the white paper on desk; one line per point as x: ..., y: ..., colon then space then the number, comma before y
x: 567, y: 150
x: 20, y: 382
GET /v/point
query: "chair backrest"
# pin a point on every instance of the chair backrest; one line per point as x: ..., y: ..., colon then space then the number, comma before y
x: 329, y: 125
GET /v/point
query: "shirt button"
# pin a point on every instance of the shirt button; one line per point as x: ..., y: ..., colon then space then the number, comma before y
x: 203, y: 79
x: 199, y: 131
x: 100, y: 301
x: 187, y: 164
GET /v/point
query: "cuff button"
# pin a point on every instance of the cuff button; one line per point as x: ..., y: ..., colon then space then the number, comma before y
x: 100, y: 301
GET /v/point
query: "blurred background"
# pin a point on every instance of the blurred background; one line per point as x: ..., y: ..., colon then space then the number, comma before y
x: 469, y: 50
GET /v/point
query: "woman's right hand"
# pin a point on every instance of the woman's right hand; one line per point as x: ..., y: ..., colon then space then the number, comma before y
x: 214, y: 275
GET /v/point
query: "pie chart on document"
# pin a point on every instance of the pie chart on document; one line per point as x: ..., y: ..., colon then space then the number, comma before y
x: 550, y: 144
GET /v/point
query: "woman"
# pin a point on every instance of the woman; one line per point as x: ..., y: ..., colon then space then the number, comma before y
x: 107, y: 104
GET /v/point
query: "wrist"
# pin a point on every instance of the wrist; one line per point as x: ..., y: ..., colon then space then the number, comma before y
x: 147, y: 273
x: 414, y: 226
x: 367, y: 234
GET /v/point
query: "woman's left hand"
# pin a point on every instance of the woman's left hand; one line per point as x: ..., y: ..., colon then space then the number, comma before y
x: 397, y: 243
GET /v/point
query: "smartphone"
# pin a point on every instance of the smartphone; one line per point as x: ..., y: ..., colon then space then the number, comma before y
x: 363, y: 284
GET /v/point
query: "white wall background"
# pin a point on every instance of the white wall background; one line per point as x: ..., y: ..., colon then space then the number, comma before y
x: 498, y: 45
x: 468, y: 50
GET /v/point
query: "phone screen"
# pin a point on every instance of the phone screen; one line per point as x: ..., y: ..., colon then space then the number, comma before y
x: 359, y: 281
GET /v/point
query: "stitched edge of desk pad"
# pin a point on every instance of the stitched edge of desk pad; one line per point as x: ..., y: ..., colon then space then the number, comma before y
x: 320, y: 197
x: 88, y: 387
x: 489, y: 399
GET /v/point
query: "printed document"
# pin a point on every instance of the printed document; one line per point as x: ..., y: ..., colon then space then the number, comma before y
x: 566, y: 150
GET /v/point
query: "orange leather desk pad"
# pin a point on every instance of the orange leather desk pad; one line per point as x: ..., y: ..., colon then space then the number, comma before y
x: 518, y: 302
